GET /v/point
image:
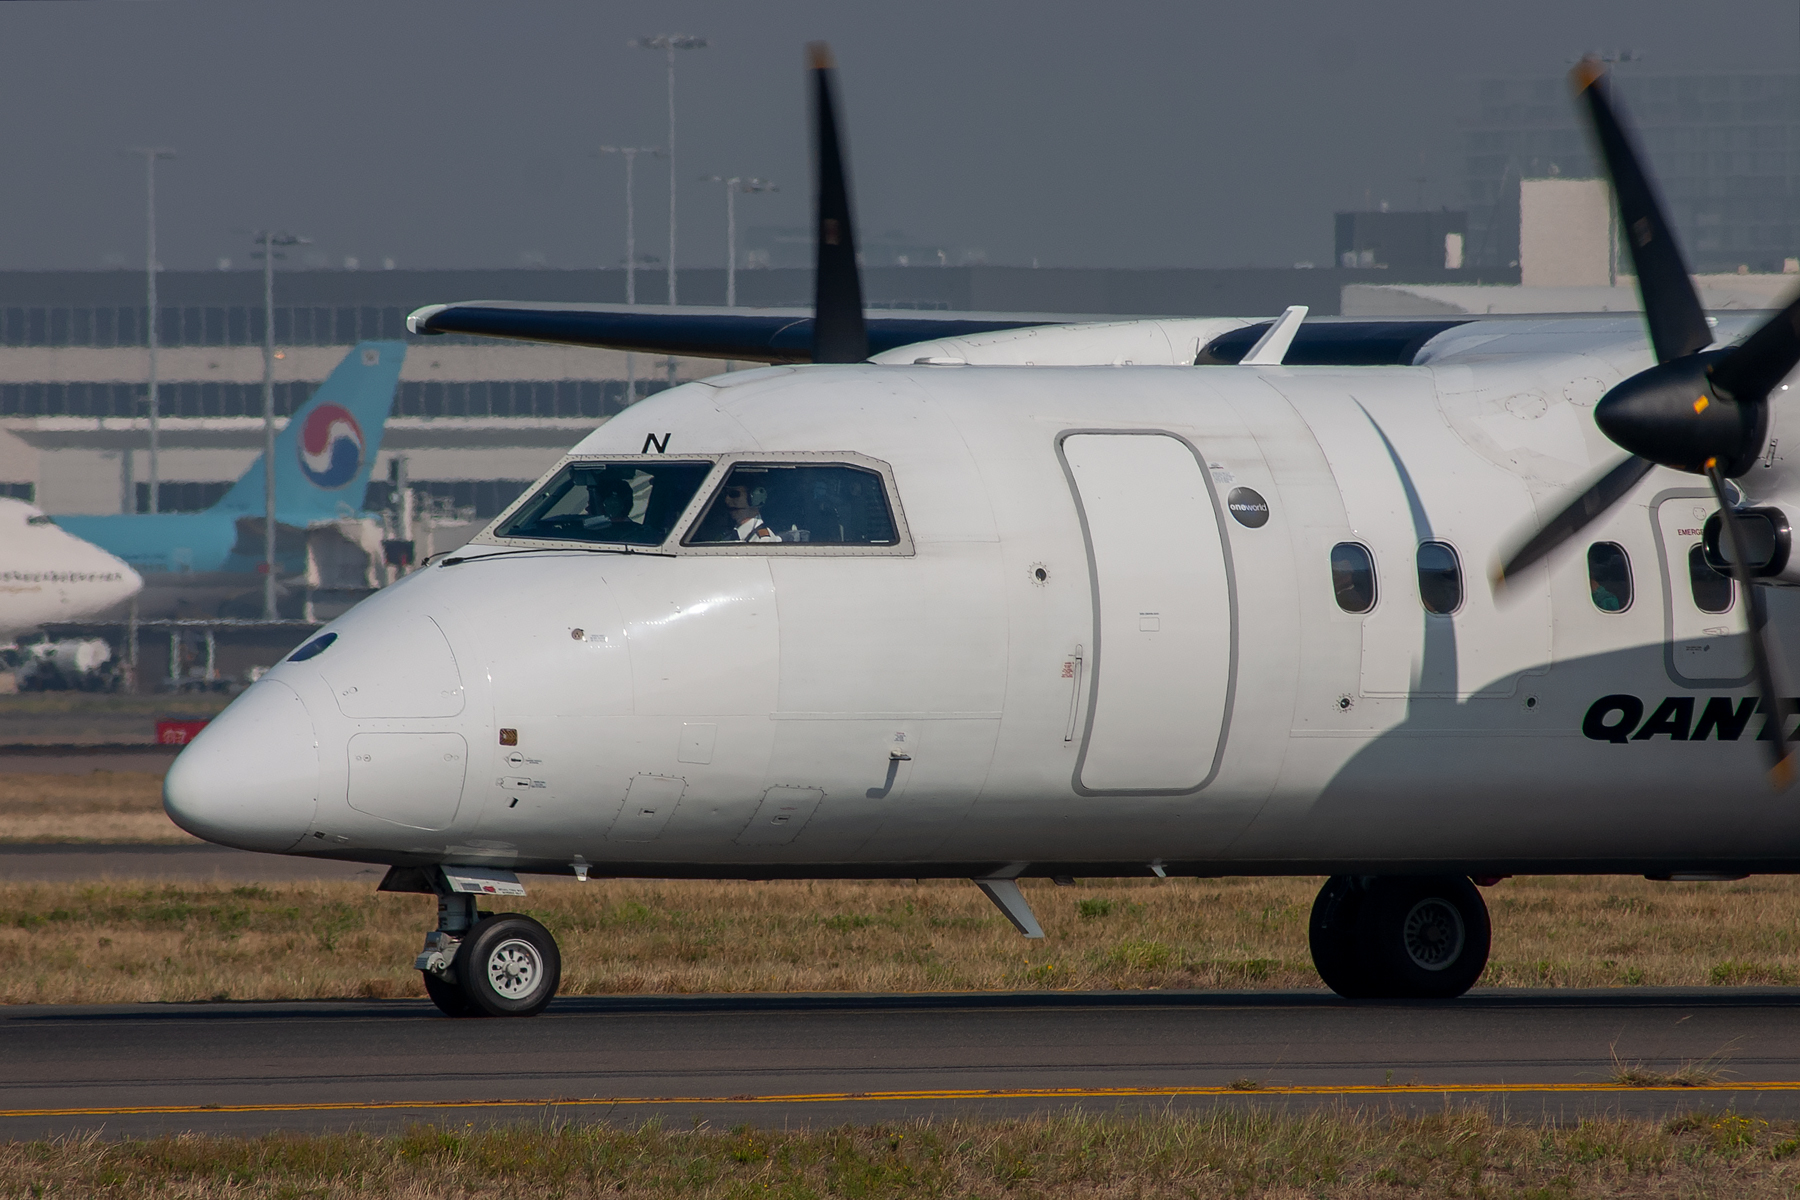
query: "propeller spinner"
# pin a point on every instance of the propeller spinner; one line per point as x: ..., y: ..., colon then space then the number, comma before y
x: 1697, y: 410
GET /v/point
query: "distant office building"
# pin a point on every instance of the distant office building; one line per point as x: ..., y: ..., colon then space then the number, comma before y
x: 1566, y: 233
x: 1725, y: 149
x: 1411, y: 245
x: 476, y: 418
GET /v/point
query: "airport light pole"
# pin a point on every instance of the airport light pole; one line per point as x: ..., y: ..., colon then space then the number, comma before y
x: 670, y: 43
x: 151, y: 155
x: 269, y: 240
x: 733, y: 186
x: 631, y: 153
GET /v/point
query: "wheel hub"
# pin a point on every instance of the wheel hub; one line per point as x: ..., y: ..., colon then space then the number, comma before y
x: 515, y: 968
x: 1433, y: 934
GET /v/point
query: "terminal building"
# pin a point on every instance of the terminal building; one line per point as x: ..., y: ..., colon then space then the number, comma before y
x: 1725, y: 148
x: 476, y: 419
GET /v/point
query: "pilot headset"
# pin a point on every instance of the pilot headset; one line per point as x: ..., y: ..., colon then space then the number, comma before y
x: 758, y: 495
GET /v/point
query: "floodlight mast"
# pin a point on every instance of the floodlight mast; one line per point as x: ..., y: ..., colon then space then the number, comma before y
x: 733, y: 186
x: 269, y: 240
x: 631, y: 153
x: 631, y: 258
x: 670, y: 43
x: 151, y: 155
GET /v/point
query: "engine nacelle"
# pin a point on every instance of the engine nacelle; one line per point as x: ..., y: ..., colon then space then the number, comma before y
x: 1768, y: 544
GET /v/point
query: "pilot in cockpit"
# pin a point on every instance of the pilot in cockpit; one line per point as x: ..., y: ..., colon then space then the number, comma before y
x: 609, y: 503
x: 743, y: 504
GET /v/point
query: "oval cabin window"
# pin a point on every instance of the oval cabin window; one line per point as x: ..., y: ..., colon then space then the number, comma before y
x: 1609, y: 577
x: 1712, y: 591
x: 1353, y: 577
x: 1440, y: 578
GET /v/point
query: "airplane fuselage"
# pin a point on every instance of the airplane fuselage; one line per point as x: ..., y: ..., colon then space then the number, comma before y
x: 46, y: 575
x: 1116, y: 630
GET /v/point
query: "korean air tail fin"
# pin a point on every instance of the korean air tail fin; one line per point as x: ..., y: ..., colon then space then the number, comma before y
x: 324, y: 456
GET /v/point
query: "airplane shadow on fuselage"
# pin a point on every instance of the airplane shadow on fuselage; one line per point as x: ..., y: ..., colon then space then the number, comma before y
x: 1602, y: 763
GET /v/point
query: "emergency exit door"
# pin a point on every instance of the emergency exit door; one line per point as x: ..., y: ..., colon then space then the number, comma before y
x: 1706, y: 643
x: 1162, y: 669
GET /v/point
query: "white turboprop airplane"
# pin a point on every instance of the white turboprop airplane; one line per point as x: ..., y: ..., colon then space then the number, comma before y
x: 919, y: 616
x: 47, y: 574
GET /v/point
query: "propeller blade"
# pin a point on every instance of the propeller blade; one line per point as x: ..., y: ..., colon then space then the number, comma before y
x: 1599, y: 496
x: 839, y: 335
x: 1750, y: 372
x: 1781, y: 766
x: 1672, y: 310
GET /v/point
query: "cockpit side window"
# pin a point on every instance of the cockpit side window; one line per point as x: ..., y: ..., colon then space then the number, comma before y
x: 636, y: 503
x: 771, y: 504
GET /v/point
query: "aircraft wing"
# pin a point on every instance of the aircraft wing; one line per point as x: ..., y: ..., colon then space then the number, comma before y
x: 769, y: 335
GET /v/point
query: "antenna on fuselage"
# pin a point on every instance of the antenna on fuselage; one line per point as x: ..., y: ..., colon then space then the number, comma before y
x: 839, y: 333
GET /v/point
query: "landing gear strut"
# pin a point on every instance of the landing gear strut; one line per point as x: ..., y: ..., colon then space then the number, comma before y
x: 478, y: 964
x: 1400, y: 937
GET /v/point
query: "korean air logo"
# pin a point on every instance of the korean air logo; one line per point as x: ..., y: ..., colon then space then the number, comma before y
x: 331, y: 446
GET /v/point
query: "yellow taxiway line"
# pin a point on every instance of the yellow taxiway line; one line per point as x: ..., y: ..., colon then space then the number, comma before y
x: 1375, y: 1089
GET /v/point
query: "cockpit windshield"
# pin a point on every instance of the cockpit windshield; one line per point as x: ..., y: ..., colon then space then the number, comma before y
x: 636, y: 503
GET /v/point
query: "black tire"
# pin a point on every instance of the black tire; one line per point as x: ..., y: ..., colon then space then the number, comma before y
x: 508, y: 966
x: 447, y: 996
x: 1422, y: 937
x: 1333, y: 934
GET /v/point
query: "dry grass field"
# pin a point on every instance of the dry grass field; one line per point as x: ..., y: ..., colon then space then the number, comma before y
x: 114, y: 940
x: 1344, y: 1153
x: 102, y: 806
x: 118, y: 941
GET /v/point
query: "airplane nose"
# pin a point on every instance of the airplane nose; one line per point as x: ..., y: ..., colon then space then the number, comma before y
x: 251, y: 779
x: 130, y: 583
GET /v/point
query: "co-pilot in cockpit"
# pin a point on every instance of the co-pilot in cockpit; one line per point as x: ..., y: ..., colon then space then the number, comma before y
x: 736, y: 515
x: 641, y: 501
x: 762, y: 503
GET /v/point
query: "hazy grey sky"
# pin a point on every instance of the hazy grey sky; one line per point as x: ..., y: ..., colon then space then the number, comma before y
x: 458, y: 134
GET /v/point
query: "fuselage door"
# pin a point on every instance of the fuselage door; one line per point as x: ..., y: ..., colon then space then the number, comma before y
x: 1704, y: 620
x: 1161, y: 670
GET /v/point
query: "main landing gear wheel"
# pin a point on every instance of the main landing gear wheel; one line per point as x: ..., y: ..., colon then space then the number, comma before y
x: 1400, y: 937
x: 507, y: 966
x: 447, y: 996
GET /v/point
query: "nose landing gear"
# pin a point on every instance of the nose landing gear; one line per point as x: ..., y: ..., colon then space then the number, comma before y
x: 1399, y: 937
x: 482, y: 964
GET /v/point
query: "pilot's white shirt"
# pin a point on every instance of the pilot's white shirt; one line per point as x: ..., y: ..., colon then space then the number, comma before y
x: 753, y: 529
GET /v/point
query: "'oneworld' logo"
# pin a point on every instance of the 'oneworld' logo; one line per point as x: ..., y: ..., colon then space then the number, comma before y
x: 331, y: 446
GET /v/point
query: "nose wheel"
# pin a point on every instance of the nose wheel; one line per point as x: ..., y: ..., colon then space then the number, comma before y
x: 508, y: 966
x: 488, y: 964
x: 1399, y: 937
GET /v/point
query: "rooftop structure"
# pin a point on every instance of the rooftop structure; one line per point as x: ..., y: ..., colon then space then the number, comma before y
x: 1725, y: 148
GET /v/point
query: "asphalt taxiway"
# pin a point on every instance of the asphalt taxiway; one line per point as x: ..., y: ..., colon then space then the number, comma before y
x: 197, y: 863
x: 784, y: 1060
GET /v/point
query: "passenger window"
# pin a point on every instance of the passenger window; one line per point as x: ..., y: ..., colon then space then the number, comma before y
x: 780, y: 503
x: 1440, y: 578
x: 1712, y: 591
x: 1609, y: 577
x: 1353, y: 577
x: 636, y: 503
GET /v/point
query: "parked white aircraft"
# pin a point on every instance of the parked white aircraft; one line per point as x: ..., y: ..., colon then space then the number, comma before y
x: 48, y: 575
x: 923, y: 617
